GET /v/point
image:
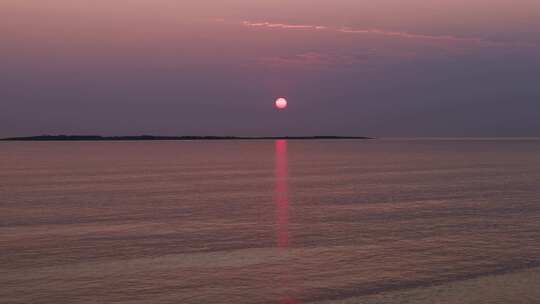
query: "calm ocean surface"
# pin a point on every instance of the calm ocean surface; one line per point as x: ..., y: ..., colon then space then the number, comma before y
x: 269, y: 221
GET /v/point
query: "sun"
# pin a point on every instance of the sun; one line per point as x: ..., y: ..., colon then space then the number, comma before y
x: 281, y: 103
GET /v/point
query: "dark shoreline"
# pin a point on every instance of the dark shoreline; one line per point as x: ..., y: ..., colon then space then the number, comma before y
x: 169, y: 138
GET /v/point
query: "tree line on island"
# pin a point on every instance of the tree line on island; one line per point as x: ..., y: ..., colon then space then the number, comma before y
x: 152, y: 137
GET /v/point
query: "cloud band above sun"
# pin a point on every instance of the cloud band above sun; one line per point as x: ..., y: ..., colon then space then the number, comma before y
x: 369, y: 31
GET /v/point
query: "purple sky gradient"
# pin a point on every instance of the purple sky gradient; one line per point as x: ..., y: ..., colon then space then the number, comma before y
x: 347, y: 67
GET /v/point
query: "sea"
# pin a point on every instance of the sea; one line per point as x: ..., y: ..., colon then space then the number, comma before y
x: 271, y: 221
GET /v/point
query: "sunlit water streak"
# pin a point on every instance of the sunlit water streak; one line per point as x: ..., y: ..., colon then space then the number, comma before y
x: 282, y: 195
x: 270, y: 222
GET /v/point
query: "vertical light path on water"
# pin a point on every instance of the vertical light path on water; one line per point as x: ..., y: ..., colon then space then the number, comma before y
x: 281, y: 197
x: 282, y: 194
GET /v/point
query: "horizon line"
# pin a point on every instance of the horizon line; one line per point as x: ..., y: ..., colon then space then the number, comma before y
x: 171, y: 138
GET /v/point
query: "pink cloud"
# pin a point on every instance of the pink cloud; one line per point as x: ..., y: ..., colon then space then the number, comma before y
x: 318, y: 59
x: 309, y: 58
x: 444, y: 44
x: 370, y: 31
x: 407, y: 35
x: 283, y: 25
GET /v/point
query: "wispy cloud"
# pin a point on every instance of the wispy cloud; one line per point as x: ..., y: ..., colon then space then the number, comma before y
x: 366, y: 31
x: 379, y: 52
x: 407, y: 35
x: 322, y: 59
x: 312, y: 59
x: 284, y: 25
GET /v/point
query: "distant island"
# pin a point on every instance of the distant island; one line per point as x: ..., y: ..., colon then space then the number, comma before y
x: 151, y: 137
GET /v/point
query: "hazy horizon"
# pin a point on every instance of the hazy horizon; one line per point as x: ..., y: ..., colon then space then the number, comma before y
x: 441, y: 68
x: 273, y: 137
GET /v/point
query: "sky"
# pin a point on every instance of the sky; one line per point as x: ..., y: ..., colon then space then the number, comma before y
x: 385, y: 68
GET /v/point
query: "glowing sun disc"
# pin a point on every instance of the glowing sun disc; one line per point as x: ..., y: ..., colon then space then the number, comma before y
x: 281, y: 103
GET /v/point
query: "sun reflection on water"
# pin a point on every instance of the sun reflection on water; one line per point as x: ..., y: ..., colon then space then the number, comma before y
x: 281, y: 194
